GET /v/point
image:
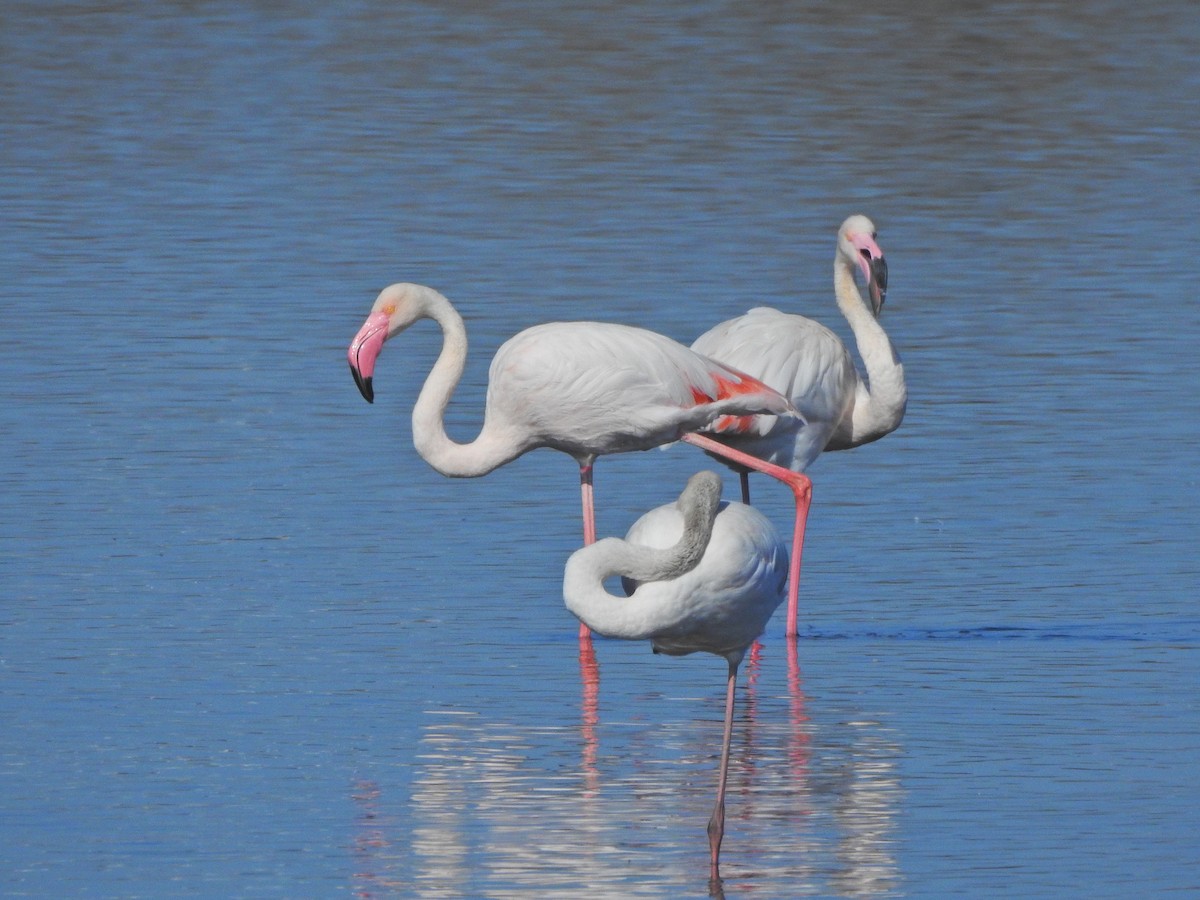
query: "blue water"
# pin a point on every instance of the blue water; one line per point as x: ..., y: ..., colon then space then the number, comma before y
x: 251, y: 645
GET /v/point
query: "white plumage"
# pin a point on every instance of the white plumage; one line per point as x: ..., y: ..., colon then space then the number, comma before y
x: 809, y: 364
x: 720, y: 606
x: 803, y: 359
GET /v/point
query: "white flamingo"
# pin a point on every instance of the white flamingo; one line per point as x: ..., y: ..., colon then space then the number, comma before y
x: 702, y: 576
x: 810, y: 365
x: 585, y: 388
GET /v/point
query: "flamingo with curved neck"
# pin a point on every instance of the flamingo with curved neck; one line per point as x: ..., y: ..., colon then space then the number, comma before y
x: 810, y: 365
x: 702, y: 575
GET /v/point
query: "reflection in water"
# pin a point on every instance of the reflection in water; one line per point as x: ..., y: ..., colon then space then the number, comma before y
x: 557, y: 810
x: 373, y: 853
x: 589, y: 677
x: 863, y: 812
x: 205, y: 589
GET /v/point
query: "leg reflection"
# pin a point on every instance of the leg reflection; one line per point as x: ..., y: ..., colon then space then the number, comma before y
x: 372, y: 847
x: 799, y: 738
x: 589, y: 677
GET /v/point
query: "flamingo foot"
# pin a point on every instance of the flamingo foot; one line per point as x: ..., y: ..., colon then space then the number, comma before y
x: 716, y: 832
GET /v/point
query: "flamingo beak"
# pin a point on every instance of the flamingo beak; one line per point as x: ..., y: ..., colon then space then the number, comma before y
x: 877, y: 283
x: 873, y: 267
x: 364, y: 385
x: 364, y: 350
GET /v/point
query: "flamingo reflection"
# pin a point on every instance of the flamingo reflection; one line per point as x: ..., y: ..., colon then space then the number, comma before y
x: 493, y: 806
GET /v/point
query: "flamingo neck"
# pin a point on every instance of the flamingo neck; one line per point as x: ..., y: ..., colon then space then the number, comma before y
x: 630, y: 618
x: 880, y: 401
x: 447, y: 456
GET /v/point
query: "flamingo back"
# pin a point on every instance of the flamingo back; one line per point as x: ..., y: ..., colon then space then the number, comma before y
x: 723, y: 604
x: 595, y: 387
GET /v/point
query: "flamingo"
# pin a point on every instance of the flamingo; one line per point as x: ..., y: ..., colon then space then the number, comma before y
x: 585, y: 388
x: 810, y: 365
x: 702, y: 575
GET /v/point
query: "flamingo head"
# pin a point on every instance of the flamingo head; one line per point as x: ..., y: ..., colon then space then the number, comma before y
x: 700, y: 501
x: 856, y: 244
x: 396, y: 307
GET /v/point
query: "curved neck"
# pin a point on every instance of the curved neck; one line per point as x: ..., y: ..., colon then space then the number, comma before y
x: 880, y: 402
x: 487, y: 451
x: 631, y: 618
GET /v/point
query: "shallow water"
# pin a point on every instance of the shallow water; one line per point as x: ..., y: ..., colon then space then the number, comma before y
x: 253, y: 646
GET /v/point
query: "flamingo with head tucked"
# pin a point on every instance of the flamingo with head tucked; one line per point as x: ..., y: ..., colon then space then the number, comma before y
x: 702, y: 575
x: 585, y: 388
x: 809, y: 364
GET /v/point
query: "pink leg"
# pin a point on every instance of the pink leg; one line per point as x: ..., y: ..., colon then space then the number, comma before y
x: 801, y: 487
x: 793, y: 610
x: 589, y: 523
x: 716, y: 825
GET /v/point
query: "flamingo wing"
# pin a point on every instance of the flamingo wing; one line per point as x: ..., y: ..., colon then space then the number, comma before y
x: 601, y: 387
x: 800, y: 358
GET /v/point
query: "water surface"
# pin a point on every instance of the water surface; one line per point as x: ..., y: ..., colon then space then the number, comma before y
x: 253, y: 646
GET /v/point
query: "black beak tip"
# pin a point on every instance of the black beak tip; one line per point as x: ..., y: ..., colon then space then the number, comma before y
x: 364, y: 385
x: 879, y: 278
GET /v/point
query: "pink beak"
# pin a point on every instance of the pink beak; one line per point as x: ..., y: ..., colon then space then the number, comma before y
x: 364, y: 350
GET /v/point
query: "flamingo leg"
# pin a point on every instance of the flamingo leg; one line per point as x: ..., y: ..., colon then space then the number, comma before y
x: 803, y: 500
x: 589, y: 522
x: 801, y: 487
x: 589, y: 670
x: 716, y: 825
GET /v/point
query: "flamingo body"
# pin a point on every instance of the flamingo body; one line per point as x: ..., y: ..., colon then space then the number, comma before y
x: 724, y: 603
x: 720, y: 606
x: 804, y: 361
x: 594, y: 388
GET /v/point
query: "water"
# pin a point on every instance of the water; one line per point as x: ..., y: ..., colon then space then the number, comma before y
x: 253, y: 646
